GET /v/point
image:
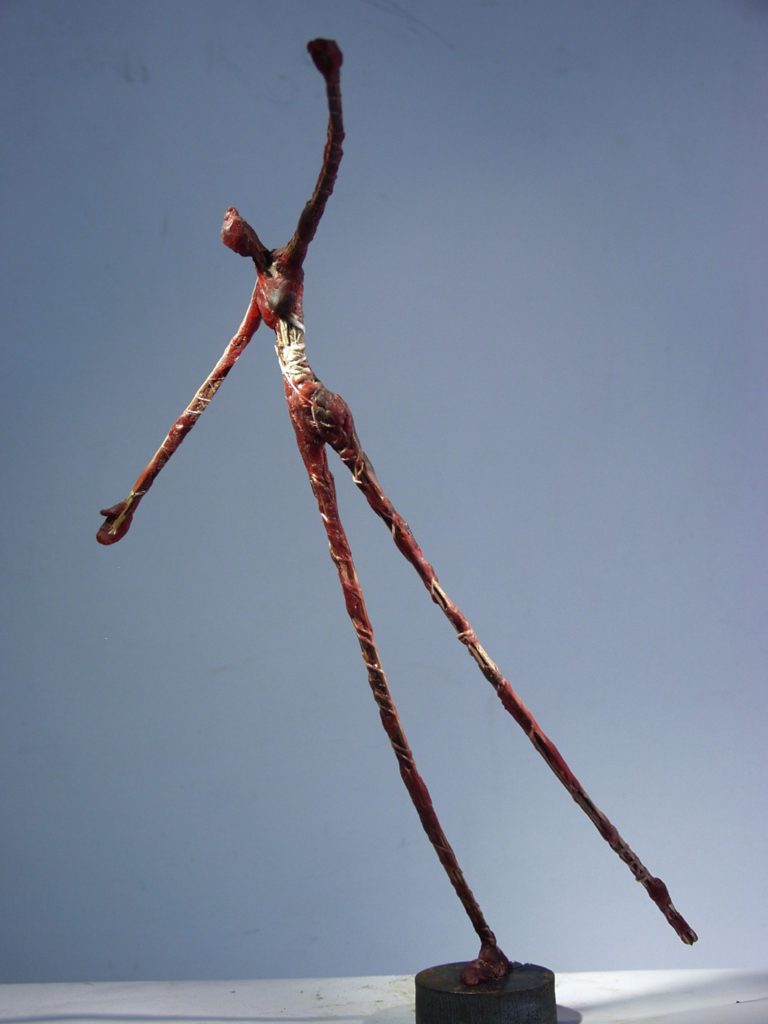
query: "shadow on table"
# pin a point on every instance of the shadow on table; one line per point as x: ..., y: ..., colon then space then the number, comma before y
x: 566, y: 1015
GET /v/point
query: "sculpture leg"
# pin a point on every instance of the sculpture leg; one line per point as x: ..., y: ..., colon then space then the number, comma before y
x: 339, y: 432
x: 491, y: 962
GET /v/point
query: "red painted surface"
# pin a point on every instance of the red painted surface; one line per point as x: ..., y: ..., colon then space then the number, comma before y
x: 322, y: 418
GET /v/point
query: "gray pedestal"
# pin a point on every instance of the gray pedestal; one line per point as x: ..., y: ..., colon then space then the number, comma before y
x: 525, y: 996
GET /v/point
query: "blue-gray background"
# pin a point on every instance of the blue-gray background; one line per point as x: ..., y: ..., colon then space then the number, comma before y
x: 541, y: 287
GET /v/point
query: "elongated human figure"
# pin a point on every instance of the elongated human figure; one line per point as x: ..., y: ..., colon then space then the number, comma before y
x: 322, y: 418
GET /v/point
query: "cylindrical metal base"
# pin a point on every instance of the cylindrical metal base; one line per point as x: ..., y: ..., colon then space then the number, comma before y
x: 524, y: 996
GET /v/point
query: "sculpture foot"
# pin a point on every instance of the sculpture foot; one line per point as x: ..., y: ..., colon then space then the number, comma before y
x: 490, y: 965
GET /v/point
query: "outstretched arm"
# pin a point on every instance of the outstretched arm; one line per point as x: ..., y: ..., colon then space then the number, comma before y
x: 118, y: 517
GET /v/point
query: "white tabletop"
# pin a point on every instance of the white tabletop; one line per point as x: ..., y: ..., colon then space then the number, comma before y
x: 602, y: 997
